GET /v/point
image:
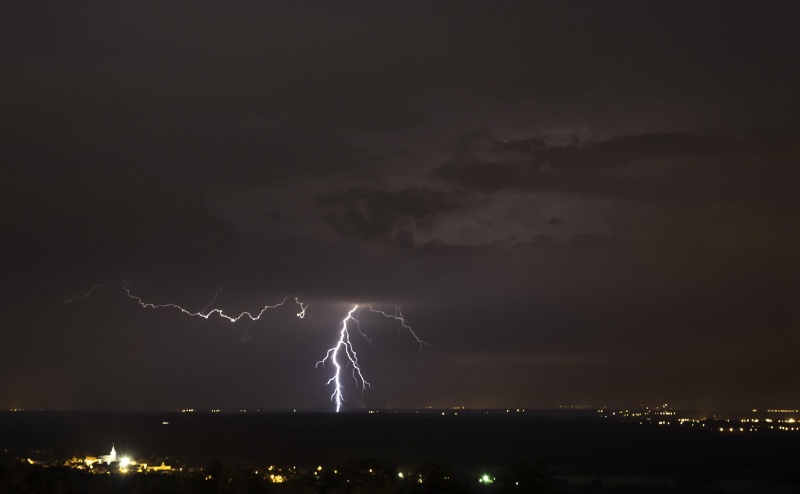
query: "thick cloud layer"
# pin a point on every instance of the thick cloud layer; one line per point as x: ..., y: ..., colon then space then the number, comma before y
x: 574, y: 204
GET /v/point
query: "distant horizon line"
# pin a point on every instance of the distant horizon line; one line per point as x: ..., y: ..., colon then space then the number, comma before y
x: 210, y: 411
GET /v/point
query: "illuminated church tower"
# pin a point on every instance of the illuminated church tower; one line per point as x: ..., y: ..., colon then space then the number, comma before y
x: 111, y: 457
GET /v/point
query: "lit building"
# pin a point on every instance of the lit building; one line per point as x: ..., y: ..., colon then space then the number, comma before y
x: 161, y: 468
x: 109, y: 458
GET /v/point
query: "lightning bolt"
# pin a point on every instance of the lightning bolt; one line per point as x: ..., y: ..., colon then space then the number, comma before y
x: 206, y: 312
x: 303, y: 308
x: 72, y: 298
x: 333, y: 355
x: 398, y: 316
x: 341, y: 355
x: 344, y: 346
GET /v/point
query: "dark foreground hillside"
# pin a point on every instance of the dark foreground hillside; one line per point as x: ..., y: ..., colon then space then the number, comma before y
x: 568, y: 446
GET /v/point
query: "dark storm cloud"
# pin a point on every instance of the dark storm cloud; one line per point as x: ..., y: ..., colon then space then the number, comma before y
x: 322, y: 66
x: 370, y: 214
x: 749, y: 167
x: 626, y: 218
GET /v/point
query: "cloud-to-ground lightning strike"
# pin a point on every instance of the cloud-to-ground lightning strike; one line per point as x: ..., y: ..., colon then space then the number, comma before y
x: 344, y: 345
x: 333, y: 355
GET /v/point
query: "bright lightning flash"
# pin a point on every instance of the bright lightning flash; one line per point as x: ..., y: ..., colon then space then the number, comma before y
x: 343, y: 345
x: 333, y: 354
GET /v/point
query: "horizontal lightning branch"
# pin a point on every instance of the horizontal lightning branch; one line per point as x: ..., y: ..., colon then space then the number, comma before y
x: 205, y: 312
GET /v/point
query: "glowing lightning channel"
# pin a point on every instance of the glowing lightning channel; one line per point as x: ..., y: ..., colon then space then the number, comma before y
x: 205, y: 313
x: 398, y: 316
x: 346, y: 346
x: 71, y: 298
x: 332, y: 355
x: 303, y: 308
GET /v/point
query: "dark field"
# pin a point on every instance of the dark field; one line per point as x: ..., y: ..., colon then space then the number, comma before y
x: 567, y: 442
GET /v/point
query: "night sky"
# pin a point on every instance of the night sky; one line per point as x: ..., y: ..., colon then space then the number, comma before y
x: 574, y: 203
